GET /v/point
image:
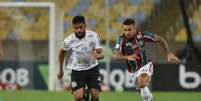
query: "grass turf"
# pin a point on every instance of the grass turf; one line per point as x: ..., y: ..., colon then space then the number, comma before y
x: 105, y: 96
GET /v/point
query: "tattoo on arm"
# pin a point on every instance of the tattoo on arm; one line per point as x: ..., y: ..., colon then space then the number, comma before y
x: 163, y: 43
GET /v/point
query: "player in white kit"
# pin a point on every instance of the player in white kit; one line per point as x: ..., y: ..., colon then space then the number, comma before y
x: 84, y: 48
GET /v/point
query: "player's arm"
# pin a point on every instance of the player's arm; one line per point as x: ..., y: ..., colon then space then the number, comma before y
x: 171, y: 57
x: 163, y: 43
x: 61, y: 60
x: 117, y: 55
x: 65, y: 48
x: 98, y: 54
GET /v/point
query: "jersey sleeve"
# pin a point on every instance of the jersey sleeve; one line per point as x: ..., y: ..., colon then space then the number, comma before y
x: 97, y: 42
x: 149, y: 37
x: 65, y: 44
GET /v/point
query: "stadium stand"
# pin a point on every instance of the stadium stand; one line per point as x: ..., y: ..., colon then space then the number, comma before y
x: 34, y: 22
x: 33, y: 19
x: 195, y: 23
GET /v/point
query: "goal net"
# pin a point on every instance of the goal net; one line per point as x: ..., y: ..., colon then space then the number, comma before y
x: 35, y: 29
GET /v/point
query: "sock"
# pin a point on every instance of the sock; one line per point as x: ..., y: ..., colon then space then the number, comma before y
x: 146, y: 94
x: 97, y: 99
x: 87, y: 95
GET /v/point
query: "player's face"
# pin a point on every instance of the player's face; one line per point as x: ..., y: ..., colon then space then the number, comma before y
x: 129, y: 31
x: 79, y: 30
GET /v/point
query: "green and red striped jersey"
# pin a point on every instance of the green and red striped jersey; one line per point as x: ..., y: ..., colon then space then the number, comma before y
x: 135, y: 45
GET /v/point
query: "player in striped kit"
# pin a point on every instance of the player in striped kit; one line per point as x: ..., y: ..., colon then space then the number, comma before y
x: 131, y: 47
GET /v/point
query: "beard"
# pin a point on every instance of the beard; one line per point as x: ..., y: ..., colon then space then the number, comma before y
x: 80, y: 35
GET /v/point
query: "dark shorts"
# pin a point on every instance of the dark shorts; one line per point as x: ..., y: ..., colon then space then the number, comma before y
x: 90, y: 78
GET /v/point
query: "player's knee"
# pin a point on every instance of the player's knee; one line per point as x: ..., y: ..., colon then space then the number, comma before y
x: 79, y: 97
x: 142, y: 85
x: 143, y: 80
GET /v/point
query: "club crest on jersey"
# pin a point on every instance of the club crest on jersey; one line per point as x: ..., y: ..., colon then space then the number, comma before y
x: 117, y: 46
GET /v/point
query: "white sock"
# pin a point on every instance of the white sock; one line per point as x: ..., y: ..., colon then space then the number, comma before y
x: 146, y: 94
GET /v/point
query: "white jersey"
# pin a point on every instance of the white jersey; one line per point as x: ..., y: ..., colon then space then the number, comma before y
x: 80, y: 50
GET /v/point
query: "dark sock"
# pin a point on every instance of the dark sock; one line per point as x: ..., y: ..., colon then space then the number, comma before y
x: 87, y: 95
x: 97, y: 99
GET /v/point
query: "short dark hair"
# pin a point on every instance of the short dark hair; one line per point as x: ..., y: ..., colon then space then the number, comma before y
x: 78, y: 19
x: 129, y: 21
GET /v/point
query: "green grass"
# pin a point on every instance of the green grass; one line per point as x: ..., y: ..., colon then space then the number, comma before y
x: 105, y: 96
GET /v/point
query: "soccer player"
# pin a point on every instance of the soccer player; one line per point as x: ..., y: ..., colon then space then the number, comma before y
x: 85, y: 48
x: 131, y: 47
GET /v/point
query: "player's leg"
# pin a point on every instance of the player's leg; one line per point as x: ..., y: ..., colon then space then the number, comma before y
x: 94, y: 83
x: 78, y: 85
x: 87, y: 91
x: 143, y: 80
x: 87, y: 96
x: 78, y: 94
x: 143, y: 85
x: 94, y: 94
x: 67, y: 87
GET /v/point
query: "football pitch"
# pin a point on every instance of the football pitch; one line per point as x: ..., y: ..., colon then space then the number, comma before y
x: 105, y: 96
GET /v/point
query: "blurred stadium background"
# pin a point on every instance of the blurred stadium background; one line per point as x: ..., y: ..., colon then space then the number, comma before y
x: 31, y: 43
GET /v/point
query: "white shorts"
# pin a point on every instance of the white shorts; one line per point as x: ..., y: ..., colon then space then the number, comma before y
x: 147, y: 69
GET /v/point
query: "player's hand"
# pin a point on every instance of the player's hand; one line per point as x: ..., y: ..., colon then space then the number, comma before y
x: 68, y: 87
x: 94, y: 55
x: 133, y: 57
x: 172, y: 58
x: 60, y: 75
